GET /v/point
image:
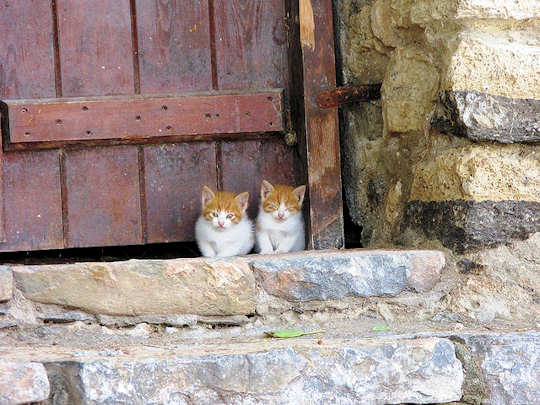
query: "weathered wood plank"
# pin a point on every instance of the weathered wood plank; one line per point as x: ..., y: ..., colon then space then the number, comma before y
x: 26, y: 49
x: 33, y: 206
x: 268, y: 159
x: 174, y: 45
x: 95, y: 47
x: 251, y: 44
x: 321, y: 126
x: 103, y: 202
x: 143, y: 117
x: 174, y: 176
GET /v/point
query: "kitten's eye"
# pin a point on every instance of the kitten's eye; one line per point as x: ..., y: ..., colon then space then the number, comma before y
x: 230, y: 216
x: 215, y: 214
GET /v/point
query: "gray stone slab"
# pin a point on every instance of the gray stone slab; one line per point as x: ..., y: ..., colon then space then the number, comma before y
x: 468, y: 225
x: 486, y: 117
x: 22, y: 382
x: 423, y: 371
x: 511, y: 366
x: 357, y: 273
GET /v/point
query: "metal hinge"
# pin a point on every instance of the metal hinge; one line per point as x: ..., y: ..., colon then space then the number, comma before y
x: 349, y: 94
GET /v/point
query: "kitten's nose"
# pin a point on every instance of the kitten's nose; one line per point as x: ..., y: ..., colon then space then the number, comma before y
x: 281, y: 215
x: 221, y: 223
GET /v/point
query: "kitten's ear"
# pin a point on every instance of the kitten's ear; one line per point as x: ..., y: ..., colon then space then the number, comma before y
x: 266, y: 188
x: 207, y: 195
x: 299, y: 193
x: 242, y: 199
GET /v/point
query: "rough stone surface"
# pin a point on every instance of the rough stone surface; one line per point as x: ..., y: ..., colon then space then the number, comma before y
x: 408, y: 91
x: 503, y: 64
x: 511, y: 366
x: 483, y: 117
x: 508, y: 287
x: 69, y: 316
x: 467, y: 225
x: 22, y: 382
x: 189, y: 286
x: 334, y: 275
x: 6, y: 283
x: 156, y: 319
x: 478, y: 172
x: 422, y: 371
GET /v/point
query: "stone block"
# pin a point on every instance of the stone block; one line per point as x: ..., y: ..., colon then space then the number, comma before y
x: 469, y: 225
x: 6, y: 283
x: 333, y: 275
x: 141, y: 287
x: 478, y: 173
x: 505, y: 64
x: 408, y: 91
x: 483, y: 117
x: 22, y: 382
x: 419, y: 371
x: 511, y: 366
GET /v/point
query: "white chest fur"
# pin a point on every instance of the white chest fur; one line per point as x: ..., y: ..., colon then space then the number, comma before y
x: 235, y: 240
x: 279, y: 236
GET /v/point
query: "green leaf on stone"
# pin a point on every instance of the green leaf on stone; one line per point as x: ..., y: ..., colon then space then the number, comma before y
x: 381, y: 328
x: 290, y: 333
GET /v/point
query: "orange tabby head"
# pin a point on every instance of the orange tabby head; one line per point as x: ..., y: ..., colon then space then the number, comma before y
x: 281, y: 201
x: 223, y: 209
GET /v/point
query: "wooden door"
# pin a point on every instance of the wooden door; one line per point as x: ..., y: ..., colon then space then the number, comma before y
x: 116, y: 112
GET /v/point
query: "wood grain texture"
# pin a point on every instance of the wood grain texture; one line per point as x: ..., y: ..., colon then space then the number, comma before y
x: 95, y: 47
x: 321, y: 127
x: 143, y: 117
x: 26, y: 49
x: 174, y: 176
x: 174, y: 45
x: 103, y: 203
x: 251, y: 44
x: 246, y: 163
x: 33, y: 207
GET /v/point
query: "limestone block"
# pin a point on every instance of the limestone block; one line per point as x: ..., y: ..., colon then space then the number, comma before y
x: 334, y: 275
x: 484, y: 117
x: 511, y: 366
x: 498, y: 9
x: 419, y: 371
x: 477, y: 173
x: 140, y: 287
x: 408, y: 91
x: 6, y: 283
x: 502, y: 64
x: 425, y: 11
x: 22, y: 382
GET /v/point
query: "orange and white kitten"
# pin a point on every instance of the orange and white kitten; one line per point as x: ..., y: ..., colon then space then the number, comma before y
x: 223, y: 229
x: 280, y: 225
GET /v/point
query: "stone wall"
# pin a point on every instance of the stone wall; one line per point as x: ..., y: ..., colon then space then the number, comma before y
x: 450, y: 156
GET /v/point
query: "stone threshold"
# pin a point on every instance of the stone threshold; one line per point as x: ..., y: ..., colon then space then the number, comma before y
x: 182, y: 292
x: 494, y: 368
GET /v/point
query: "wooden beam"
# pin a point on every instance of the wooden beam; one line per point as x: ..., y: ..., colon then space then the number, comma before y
x: 74, y: 120
x: 321, y: 126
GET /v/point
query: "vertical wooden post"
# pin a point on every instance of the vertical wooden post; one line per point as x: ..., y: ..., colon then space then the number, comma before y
x: 2, y: 226
x: 320, y: 126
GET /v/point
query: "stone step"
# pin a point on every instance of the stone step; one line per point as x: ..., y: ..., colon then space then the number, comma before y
x: 186, y: 291
x: 421, y: 368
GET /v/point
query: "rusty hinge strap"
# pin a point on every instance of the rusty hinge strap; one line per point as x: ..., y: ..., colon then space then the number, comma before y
x: 349, y: 94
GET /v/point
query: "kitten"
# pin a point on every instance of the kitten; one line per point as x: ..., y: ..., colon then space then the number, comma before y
x: 223, y: 229
x: 280, y: 225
